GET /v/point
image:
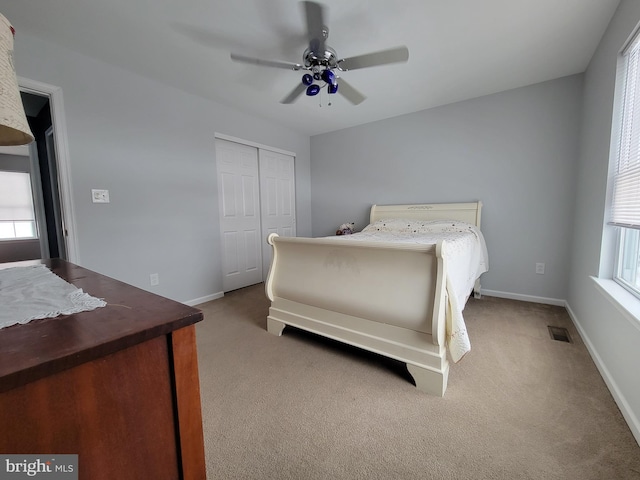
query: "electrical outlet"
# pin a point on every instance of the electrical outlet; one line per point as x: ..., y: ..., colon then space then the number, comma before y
x: 540, y: 268
x: 154, y: 278
x: 100, y: 196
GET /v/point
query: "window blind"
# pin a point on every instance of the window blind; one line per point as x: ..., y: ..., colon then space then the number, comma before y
x: 16, y: 202
x: 625, y: 208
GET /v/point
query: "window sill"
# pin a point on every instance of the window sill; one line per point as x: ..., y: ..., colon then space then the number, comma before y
x: 624, y: 301
x: 6, y: 241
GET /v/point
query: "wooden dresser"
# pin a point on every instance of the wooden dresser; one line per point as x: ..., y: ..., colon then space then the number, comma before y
x: 118, y: 385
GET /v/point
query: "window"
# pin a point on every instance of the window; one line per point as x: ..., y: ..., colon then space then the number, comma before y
x: 17, y: 218
x: 625, y: 207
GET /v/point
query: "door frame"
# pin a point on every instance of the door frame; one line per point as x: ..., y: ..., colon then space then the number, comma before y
x: 50, y: 146
x: 58, y: 119
x: 38, y: 200
x: 222, y: 136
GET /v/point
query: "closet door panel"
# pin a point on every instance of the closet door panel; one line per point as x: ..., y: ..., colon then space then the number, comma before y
x: 240, y: 226
x: 277, y: 198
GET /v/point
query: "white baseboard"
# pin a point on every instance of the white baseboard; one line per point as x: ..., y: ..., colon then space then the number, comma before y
x: 623, y: 405
x: 524, y: 298
x: 208, y: 298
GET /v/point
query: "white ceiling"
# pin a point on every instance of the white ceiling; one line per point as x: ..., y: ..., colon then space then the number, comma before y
x: 458, y: 49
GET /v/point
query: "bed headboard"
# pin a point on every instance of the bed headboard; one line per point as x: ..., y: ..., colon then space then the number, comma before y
x: 464, y: 212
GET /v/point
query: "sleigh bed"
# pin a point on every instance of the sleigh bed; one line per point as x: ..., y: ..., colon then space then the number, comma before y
x: 398, y: 288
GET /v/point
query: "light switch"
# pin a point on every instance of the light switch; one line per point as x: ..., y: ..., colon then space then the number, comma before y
x: 100, y: 196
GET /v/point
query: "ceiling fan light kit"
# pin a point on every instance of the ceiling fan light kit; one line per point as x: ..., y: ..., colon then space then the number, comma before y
x: 313, y: 90
x: 322, y: 62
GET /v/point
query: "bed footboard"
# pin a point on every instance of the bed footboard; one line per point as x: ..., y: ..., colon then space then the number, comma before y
x: 386, y: 298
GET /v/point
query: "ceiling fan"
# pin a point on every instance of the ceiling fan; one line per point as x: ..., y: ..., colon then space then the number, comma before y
x: 322, y: 62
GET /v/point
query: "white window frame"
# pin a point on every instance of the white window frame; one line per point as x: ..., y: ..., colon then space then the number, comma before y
x: 625, y: 207
x: 618, y: 273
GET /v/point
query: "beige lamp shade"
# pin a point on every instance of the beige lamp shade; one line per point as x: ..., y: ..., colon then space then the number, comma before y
x: 14, y: 129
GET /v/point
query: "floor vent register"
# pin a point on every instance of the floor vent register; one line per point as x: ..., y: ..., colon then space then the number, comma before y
x: 559, y: 333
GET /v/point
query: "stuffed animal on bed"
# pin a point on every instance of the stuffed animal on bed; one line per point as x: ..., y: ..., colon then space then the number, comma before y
x: 346, y: 229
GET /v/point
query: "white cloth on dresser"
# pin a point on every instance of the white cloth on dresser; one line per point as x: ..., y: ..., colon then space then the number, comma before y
x: 32, y: 292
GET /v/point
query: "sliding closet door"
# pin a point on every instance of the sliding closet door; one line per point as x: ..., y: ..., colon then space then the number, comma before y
x: 239, y: 200
x: 277, y: 199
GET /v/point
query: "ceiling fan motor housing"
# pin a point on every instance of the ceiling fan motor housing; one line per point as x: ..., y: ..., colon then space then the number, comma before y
x: 329, y: 58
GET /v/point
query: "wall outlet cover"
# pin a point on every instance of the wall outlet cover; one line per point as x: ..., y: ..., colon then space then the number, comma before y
x: 100, y: 196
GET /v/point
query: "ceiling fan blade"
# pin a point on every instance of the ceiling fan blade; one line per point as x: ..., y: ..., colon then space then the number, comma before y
x: 294, y: 94
x: 265, y: 63
x: 350, y: 93
x: 383, y: 57
x: 316, y: 29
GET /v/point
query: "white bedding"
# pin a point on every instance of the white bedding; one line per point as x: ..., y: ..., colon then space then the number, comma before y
x: 466, y: 255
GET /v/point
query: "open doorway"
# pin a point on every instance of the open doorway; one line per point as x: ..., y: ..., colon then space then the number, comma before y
x: 31, y: 224
x: 44, y: 165
x: 40, y: 215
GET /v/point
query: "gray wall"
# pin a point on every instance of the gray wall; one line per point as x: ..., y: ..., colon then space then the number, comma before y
x: 613, y: 338
x: 516, y: 151
x: 152, y: 147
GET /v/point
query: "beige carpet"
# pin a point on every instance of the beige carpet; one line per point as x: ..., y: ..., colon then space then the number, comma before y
x: 518, y: 406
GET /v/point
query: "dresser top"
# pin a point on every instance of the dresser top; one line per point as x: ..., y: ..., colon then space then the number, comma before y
x: 43, y: 347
